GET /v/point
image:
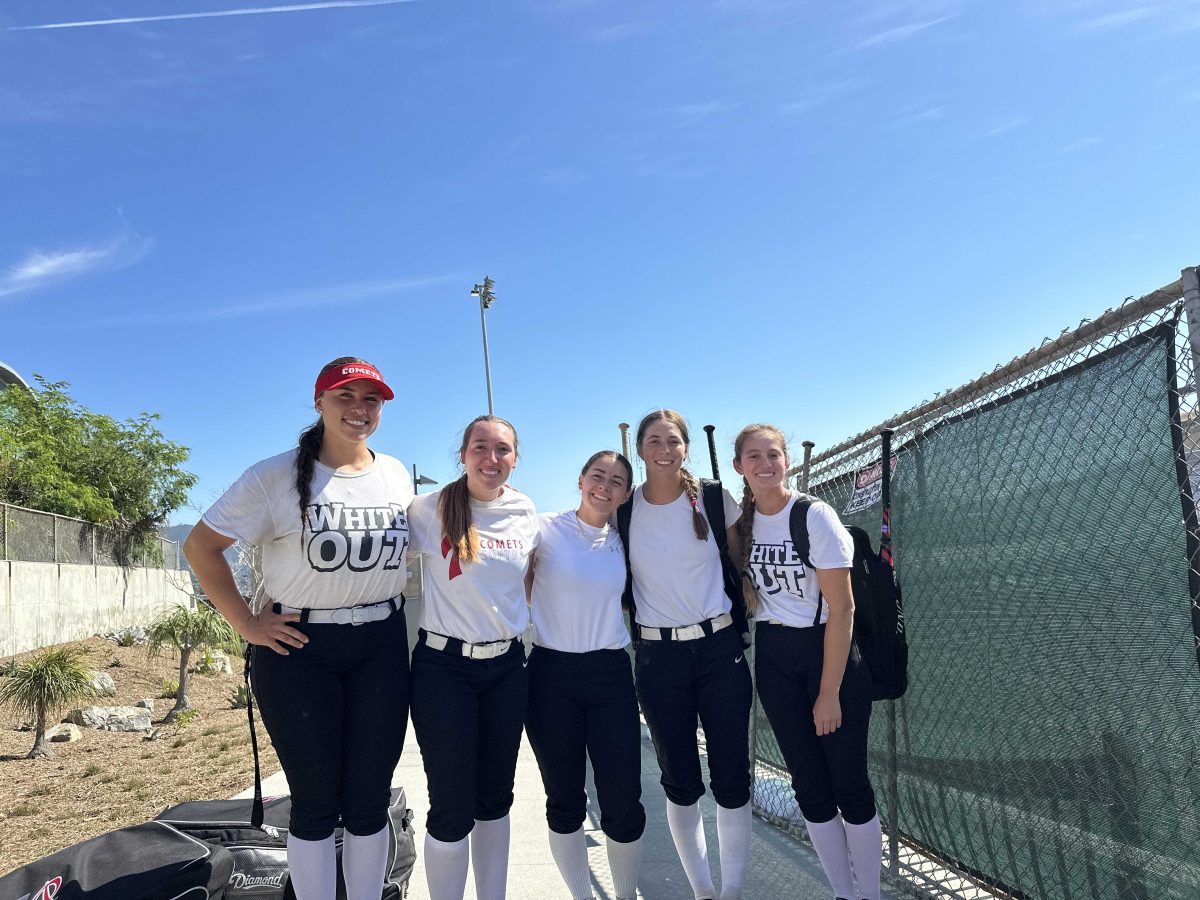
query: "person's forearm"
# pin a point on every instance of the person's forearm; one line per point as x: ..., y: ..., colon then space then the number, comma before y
x: 839, y: 630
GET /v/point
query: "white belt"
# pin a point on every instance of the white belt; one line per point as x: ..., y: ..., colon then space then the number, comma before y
x: 686, y: 632
x: 489, y: 650
x: 346, y: 615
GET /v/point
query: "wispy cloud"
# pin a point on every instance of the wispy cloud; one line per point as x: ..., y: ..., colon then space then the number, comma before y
x: 277, y: 302
x: 41, y: 268
x: 899, y: 33
x: 816, y: 96
x: 1006, y: 126
x: 912, y: 115
x: 622, y: 31
x: 214, y: 14
x: 1113, y: 20
x: 1081, y: 144
x: 696, y: 112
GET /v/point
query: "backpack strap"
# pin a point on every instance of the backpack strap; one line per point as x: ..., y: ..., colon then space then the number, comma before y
x: 256, y: 814
x: 798, y: 525
x: 713, y: 495
x: 624, y: 517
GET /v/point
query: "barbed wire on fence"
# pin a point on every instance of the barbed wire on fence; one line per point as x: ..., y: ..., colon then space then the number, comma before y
x: 1045, y: 533
x: 30, y: 535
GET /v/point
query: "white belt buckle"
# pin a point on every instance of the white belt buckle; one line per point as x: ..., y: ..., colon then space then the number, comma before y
x: 486, y: 651
x: 689, y: 633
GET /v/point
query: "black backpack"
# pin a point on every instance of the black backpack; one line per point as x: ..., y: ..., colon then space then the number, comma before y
x: 714, y: 510
x: 260, y: 868
x: 150, y: 861
x: 878, y: 607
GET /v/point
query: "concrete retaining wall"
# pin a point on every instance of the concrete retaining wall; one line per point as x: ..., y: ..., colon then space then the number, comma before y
x: 51, y: 603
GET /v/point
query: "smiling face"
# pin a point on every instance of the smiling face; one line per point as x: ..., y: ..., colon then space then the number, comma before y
x: 603, y: 486
x: 489, y: 455
x: 762, y: 460
x: 663, y: 448
x: 351, y: 412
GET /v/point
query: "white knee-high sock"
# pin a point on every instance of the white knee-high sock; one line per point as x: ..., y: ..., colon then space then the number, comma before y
x: 364, y: 859
x: 866, y: 856
x: 312, y: 866
x: 489, y: 858
x: 687, y: 831
x: 733, y: 845
x: 625, y: 865
x: 446, y: 868
x: 829, y: 840
x: 570, y: 855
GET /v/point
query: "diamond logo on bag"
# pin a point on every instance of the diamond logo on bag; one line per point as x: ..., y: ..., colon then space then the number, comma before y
x: 240, y: 881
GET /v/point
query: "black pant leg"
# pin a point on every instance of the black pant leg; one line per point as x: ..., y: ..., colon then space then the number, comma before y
x: 557, y: 729
x: 501, y: 717
x: 614, y: 739
x: 725, y: 694
x: 664, y: 674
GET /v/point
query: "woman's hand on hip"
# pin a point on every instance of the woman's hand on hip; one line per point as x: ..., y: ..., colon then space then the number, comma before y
x: 271, y: 629
x: 827, y: 714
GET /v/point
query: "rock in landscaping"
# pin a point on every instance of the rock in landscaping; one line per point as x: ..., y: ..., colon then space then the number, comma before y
x: 111, y: 718
x: 63, y: 734
x: 104, y: 684
x: 145, y: 703
x: 216, y: 663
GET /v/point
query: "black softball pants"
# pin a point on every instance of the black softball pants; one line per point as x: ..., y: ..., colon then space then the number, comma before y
x: 583, y: 705
x: 468, y: 715
x: 707, y: 679
x: 336, y: 710
x: 828, y: 773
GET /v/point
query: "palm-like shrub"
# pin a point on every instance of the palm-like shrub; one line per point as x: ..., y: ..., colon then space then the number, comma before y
x: 188, y: 630
x: 43, y: 685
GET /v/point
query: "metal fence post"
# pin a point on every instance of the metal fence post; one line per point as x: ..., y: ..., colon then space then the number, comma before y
x: 1191, y: 303
x: 54, y: 536
x: 808, y: 449
x: 885, y: 550
x: 6, y: 531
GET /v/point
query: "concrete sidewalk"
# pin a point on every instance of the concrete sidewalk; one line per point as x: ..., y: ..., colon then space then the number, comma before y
x: 780, y: 866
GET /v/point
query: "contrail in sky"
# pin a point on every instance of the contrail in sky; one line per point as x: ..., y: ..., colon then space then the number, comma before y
x: 299, y: 7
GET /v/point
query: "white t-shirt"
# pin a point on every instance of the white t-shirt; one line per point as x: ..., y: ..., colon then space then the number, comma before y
x: 355, y: 534
x: 480, y: 601
x: 787, y: 591
x: 677, y: 577
x: 579, y: 576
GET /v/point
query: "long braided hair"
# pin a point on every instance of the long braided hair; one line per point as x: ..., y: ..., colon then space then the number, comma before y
x: 691, y: 484
x: 454, y: 501
x: 309, y: 446
x: 745, y: 524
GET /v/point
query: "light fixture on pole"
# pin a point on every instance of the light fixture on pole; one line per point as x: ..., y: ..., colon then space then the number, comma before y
x: 419, y: 480
x: 486, y: 298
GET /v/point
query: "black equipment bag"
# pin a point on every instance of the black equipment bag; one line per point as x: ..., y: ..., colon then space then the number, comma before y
x: 714, y: 510
x: 879, y: 629
x: 150, y: 861
x: 260, y: 867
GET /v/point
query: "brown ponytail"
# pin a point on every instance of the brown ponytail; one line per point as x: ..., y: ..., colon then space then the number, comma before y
x: 745, y: 525
x: 454, y: 502
x: 691, y: 487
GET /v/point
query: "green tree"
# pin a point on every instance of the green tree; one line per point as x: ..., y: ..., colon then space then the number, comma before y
x: 56, y: 455
x: 43, y: 685
x: 187, y: 630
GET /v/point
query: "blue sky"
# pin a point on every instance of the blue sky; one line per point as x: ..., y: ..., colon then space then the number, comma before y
x: 810, y: 213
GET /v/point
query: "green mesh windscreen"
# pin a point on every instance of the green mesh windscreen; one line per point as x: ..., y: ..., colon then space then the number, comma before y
x: 1050, y: 735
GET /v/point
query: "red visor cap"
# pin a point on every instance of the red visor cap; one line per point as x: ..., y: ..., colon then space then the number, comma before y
x: 339, y: 375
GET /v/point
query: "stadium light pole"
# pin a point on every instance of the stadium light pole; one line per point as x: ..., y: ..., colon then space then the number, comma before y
x: 486, y: 298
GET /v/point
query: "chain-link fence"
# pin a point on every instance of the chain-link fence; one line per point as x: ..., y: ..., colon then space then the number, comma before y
x: 1045, y: 535
x: 28, y: 535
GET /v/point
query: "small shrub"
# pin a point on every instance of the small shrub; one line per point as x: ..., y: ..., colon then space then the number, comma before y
x: 239, y: 697
x: 90, y: 769
x: 128, y: 636
x: 24, y: 809
x: 211, y: 730
x: 170, y: 689
x: 223, y: 746
x: 106, y: 779
x: 40, y: 791
x: 134, y: 783
x: 186, y: 717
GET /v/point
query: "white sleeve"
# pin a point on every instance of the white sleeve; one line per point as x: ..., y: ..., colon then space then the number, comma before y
x: 733, y: 508
x: 244, y: 512
x: 829, y: 543
x: 422, y: 514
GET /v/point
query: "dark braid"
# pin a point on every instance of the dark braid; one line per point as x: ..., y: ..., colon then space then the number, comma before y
x: 745, y: 533
x: 691, y: 487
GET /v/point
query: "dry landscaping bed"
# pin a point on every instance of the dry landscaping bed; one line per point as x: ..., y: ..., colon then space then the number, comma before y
x: 109, y: 780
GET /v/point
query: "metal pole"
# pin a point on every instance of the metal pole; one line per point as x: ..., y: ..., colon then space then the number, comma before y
x: 6, y: 531
x: 885, y: 551
x: 54, y: 532
x: 808, y: 449
x: 487, y: 369
x: 624, y: 426
x: 1190, y: 279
